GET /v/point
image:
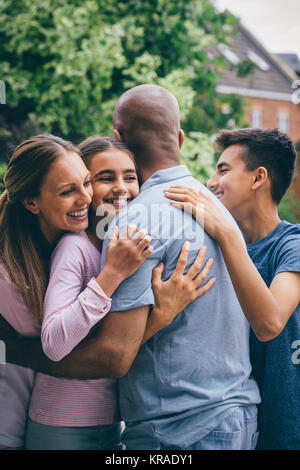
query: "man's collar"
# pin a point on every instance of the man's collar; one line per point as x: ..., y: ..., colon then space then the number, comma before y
x: 163, y: 176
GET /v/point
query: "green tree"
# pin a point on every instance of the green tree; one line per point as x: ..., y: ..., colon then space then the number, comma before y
x: 289, y: 208
x: 65, y: 63
x: 2, y: 171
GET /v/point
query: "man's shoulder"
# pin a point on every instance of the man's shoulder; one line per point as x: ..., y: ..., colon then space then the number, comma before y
x: 152, y: 209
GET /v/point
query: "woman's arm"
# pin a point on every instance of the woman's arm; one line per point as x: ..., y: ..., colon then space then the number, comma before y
x: 266, y: 309
x: 173, y: 295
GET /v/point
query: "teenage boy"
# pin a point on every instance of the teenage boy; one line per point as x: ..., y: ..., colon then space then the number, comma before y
x: 266, y: 158
x: 252, y: 175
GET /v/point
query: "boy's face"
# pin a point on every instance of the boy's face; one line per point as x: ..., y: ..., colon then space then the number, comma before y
x: 232, y: 182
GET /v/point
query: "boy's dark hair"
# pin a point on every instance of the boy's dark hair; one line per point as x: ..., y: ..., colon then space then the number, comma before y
x: 271, y: 149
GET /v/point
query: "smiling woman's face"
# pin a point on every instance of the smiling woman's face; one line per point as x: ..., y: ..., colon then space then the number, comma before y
x: 114, y: 179
x: 65, y: 196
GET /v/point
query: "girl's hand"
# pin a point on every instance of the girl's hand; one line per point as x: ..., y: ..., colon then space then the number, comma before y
x: 173, y: 295
x: 127, y: 252
x: 203, y: 208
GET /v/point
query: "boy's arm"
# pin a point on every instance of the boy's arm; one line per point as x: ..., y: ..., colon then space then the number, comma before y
x: 109, y: 354
x: 285, y: 288
x: 267, y: 309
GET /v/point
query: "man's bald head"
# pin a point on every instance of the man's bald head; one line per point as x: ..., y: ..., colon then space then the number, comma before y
x: 146, y: 115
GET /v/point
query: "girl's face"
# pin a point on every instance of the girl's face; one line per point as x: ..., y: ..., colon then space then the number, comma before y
x: 64, y: 199
x: 114, y: 180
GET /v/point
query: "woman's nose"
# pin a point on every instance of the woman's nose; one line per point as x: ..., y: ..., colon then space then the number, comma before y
x: 86, y: 196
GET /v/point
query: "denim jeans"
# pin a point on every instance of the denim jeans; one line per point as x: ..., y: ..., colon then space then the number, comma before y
x: 44, y: 437
x: 237, y: 432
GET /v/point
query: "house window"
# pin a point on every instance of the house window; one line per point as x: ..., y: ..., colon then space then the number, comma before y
x: 256, y: 118
x: 283, y: 122
x: 228, y: 54
x: 259, y: 61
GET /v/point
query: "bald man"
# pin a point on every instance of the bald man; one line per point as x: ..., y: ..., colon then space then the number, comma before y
x: 189, y: 386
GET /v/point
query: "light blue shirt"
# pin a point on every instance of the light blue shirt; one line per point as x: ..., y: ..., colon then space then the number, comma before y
x: 186, y: 378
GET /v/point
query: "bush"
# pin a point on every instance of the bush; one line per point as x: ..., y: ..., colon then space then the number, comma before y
x: 289, y: 208
x: 198, y: 155
x: 65, y: 64
x: 2, y: 171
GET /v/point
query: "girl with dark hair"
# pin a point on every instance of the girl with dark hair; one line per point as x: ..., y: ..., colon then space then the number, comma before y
x: 77, y: 414
x: 47, y: 193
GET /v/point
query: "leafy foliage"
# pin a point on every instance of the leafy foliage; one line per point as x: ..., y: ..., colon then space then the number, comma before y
x: 2, y: 171
x: 65, y: 63
x: 289, y: 208
x: 198, y: 155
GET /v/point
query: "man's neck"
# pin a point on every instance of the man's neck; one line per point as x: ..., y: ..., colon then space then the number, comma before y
x: 158, y: 160
x: 146, y: 173
x: 258, y: 222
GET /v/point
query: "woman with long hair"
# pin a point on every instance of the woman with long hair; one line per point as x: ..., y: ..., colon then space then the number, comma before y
x: 26, y: 241
x: 76, y: 414
x: 47, y: 193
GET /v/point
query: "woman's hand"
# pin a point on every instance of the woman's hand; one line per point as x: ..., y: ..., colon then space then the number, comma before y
x: 173, y: 295
x: 124, y: 255
x: 203, y: 208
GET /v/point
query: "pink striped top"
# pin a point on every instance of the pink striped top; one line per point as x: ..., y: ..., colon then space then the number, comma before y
x: 74, y: 303
x: 15, y: 382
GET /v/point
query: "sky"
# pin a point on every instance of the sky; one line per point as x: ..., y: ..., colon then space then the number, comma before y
x: 275, y: 23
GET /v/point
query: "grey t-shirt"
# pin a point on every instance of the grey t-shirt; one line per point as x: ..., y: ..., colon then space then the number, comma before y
x: 186, y: 379
x: 276, y: 363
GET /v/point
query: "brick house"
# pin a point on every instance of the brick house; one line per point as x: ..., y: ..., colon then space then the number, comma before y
x: 292, y: 61
x: 271, y: 89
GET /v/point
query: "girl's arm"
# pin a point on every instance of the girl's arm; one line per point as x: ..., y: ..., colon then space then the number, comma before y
x: 266, y: 309
x: 69, y: 312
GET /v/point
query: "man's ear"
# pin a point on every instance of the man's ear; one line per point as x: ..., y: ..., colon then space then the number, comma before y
x: 180, y: 138
x: 117, y: 135
x: 31, y: 205
x: 260, y: 177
